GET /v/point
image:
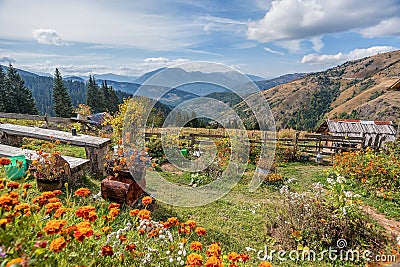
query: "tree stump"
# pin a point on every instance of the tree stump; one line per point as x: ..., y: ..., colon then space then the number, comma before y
x: 122, y: 189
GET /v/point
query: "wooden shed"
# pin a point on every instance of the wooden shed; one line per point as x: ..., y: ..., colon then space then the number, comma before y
x: 375, y: 133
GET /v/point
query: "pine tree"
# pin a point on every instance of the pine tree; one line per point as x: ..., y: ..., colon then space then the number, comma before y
x: 93, y: 95
x: 109, y: 98
x: 19, y: 98
x: 62, y: 101
x: 3, y: 97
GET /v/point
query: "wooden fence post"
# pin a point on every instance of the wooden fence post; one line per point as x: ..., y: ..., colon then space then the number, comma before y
x: 296, y: 140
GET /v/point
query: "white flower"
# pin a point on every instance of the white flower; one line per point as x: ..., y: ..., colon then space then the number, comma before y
x: 290, y: 180
x: 182, y: 263
x: 340, y: 179
x: 348, y: 194
x: 330, y: 181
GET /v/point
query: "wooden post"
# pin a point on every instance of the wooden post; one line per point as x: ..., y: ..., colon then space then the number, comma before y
x: 376, y: 142
x: 296, y: 140
x: 97, y: 157
x: 192, y: 141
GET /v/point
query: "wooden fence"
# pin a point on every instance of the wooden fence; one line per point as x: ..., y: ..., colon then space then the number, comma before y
x: 44, y: 118
x: 310, y: 143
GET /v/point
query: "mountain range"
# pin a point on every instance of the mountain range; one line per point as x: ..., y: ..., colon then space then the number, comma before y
x: 359, y: 89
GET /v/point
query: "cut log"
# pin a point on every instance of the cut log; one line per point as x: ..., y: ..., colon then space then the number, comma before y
x: 122, y: 190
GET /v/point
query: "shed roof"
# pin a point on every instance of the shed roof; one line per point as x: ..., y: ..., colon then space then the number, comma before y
x: 395, y: 86
x: 357, y: 127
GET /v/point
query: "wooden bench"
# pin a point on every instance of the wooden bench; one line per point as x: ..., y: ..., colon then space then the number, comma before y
x: 95, y: 147
x: 76, y: 165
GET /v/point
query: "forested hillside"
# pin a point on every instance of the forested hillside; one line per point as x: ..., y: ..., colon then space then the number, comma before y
x: 357, y: 89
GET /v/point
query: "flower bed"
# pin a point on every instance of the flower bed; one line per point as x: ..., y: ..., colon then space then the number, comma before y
x: 63, y: 229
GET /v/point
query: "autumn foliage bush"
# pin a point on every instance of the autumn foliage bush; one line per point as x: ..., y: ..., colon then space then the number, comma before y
x: 376, y: 172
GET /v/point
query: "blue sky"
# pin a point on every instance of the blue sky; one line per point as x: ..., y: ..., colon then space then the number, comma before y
x: 128, y: 37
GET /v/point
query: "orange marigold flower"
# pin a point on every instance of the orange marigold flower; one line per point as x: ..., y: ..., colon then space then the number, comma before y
x: 85, y: 211
x: 84, y: 229
x: 170, y: 222
x: 53, y: 200
x: 22, y: 206
x: 54, y: 226
x: 68, y: 231
x: 113, y: 205
x: 14, y: 262
x: 196, y: 246
x: 82, y: 192
x: 144, y: 214
x: 130, y: 247
x: 200, y: 231
x: 52, y: 206
x: 113, y: 213
x: 214, y: 261
x: 107, y: 251
x: 194, y: 259
x: 244, y: 257
x: 48, y: 194
x: 1, y: 186
x: 122, y: 238
x: 40, y: 200
x: 106, y: 229
x: 265, y: 264
x: 5, y: 161
x: 147, y: 200
x: 214, y: 250
x: 27, y: 186
x: 184, y: 229
x: 191, y: 224
x: 233, y: 257
x: 134, y: 212
x: 58, y: 244
x: 12, y: 185
x: 4, y: 222
x: 60, y: 212
x: 57, y: 192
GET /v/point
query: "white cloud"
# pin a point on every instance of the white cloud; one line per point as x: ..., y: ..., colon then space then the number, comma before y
x: 163, y: 62
x: 387, y: 27
x: 342, y: 57
x: 317, y: 43
x: 7, y: 59
x: 273, y: 51
x: 47, y: 36
x: 156, y: 60
x: 304, y: 19
x: 218, y: 24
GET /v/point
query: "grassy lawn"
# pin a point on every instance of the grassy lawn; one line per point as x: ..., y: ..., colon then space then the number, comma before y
x: 239, y: 219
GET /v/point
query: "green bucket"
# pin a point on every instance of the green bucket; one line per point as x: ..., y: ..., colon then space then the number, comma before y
x: 184, y: 152
x: 17, y: 168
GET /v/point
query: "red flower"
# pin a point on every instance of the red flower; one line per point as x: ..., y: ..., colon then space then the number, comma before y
x: 107, y: 251
x: 5, y: 161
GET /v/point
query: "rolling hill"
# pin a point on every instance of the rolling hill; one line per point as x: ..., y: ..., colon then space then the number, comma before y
x: 358, y: 89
